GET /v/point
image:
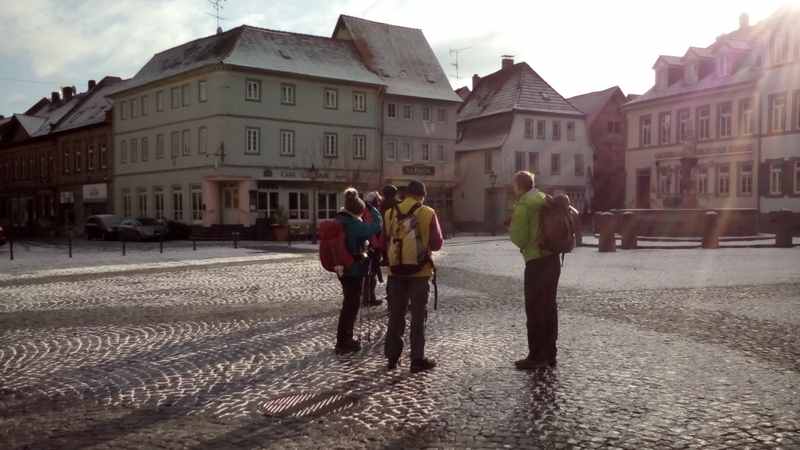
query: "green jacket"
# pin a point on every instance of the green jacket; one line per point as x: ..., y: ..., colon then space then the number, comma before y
x: 525, y: 225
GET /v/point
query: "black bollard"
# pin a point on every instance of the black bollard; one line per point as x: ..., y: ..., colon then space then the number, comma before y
x: 235, y: 239
x: 783, y: 228
x: 711, y: 230
x: 194, y: 244
x: 11, y: 248
x: 123, y: 246
x: 161, y: 245
x: 69, y: 243
x: 608, y: 241
x: 629, y: 231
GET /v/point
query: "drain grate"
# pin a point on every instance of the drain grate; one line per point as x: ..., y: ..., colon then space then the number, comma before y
x: 307, y: 404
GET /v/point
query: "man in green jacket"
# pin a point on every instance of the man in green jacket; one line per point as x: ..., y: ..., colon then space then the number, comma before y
x: 542, y: 270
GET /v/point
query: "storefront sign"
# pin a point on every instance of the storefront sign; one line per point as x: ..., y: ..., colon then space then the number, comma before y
x: 419, y: 170
x: 705, y: 151
x: 67, y: 197
x: 95, y: 192
x: 303, y: 174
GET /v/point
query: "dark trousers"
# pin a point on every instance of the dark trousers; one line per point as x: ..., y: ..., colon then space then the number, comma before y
x: 541, y: 310
x: 351, y: 287
x: 402, y: 292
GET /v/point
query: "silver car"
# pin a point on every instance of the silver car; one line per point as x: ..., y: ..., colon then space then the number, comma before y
x: 141, y: 229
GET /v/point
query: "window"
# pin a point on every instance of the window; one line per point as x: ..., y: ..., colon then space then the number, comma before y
x: 143, y: 203
x: 186, y: 143
x: 555, y: 164
x: 580, y: 170
x: 391, y: 151
x: 185, y: 97
x: 89, y: 161
x: 359, y: 146
x: 724, y: 120
x: 327, y: 207
x: 298, y: 206
x: 746, y: 178
x: 158, y: 200
x: 103, y: 156
x: 533, y: 162
x: 123, y: 154
x: 426, y: 113
x: 540, y: 129
x: 202, y: 91
x: 776, y: 178
x: 405, y: 151
x: 777, y: 112
x: 267, y: 202
x: 704, y: 123
x: 391, y: 110
x: 123, y: 111
x: 175, y: 98
x: 331, y: 145
x: 724, y: 179
x: 134, y: 108
x: 197, y: 203
x: 145, y: 149
x: 666, y: 181
x: 144, y: 101
x: 202, y: 140
x: 797, y: 177
x: 331, y: 100
x: 252, y: 90
x: 160, y: 101
x: 684, y: 127
x: 287, y: 143
x: 442, y: 115
x: 160, y: 146
x: 425, y: 152
x: 126, y: 204
x: 441, y: 155
x: 529, y: 128
x: 408, y: 112
x: 519, y: 161
x: 556, y: 130
x: 746, y: 117
x: 664, y: 127
x: 570, y: 131
x: 175, y: 144
x: 724, y: 65
x: 702, y: 180
x: 614, y: 126
x: 134, y: 150
x: 488, y: 163
x: 797, y: 108
x: 645, y: 124
x: 253, y: 138
x: 288, y: 94
x: 359, y: 101
x: 177, y: 204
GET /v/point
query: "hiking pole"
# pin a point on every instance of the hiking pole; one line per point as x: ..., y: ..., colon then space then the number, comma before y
x: 435, y: 289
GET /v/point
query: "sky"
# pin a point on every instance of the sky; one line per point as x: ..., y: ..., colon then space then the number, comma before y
x: 577, y: 46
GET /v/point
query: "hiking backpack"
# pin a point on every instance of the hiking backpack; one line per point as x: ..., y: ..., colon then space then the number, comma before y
x: 558, y: 224
x: 333, y: 251
x: 406, y: 252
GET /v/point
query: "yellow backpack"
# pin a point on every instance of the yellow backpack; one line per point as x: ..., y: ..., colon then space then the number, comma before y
x: 405, y: 250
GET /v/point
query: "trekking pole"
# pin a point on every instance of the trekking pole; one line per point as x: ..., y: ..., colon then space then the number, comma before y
x: 435, y: 289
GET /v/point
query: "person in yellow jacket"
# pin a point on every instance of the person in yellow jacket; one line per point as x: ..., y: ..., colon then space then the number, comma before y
x: 542, y: 271
x: 412, y: 234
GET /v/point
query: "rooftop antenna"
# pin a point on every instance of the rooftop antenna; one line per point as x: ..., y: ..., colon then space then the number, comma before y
x: 457, y: 52
x: 218, y: 6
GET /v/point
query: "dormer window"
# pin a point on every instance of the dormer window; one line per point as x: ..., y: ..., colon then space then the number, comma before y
x: 724, y: 66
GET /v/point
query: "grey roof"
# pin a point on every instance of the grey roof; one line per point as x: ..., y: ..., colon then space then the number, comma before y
x: 57, y: 112
x: 31, y: 124
x: 669, y: 59
x: 593, y: 103
x: 401, y: 56
x: 463, y: 92
x: 518, y: 88
x: 699, y: 51
x: 259, y: 48
x: 92, y: 110
x: 485, y: 134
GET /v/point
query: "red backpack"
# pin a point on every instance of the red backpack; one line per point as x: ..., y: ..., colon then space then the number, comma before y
x: 332, y: 246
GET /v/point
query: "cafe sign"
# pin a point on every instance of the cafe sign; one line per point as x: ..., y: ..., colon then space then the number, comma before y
x: 95, y: 192
x: 419, y: 170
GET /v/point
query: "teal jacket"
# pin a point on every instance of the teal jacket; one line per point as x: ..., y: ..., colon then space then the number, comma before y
x: 357, y: 232
x: 525, y: 225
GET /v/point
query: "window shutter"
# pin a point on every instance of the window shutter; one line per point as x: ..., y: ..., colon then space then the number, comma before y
x: 788, y: 177
x: 763, y: 179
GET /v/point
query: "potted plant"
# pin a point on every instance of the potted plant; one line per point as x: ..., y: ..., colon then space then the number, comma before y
x: 279, y: 222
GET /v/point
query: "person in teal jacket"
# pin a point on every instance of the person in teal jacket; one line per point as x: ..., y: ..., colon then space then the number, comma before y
x: 357, y: 233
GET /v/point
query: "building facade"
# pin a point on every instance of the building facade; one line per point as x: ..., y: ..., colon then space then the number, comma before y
x: 719, y: 128
x: 511, y: 121
x: 606, y: 123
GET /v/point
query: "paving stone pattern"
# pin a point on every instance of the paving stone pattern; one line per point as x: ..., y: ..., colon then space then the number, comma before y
x: 194, y: 358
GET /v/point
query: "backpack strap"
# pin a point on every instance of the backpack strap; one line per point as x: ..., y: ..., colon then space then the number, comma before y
x: 400, y: 216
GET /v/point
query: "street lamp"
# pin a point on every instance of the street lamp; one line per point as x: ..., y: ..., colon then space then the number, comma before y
x: 313, y: 173
x: 493, y: 181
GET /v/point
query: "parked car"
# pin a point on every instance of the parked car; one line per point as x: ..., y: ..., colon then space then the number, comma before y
x: 141, y: 229
x: 3, y: 237
x: 102, y: 226
x: 178, y: 230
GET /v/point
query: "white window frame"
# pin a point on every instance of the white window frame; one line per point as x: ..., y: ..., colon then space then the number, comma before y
x: 160, y: 101
x: 408, y: 112
x: 202, y: 140
x: 556, y: 130
x: 287, y: 143
x: 359, y: 101
x: 571, y: 130
x: 299, y: 213
x: 141, y: 202
x: 123, y: 112
x: 158, y: 202
x: 145, y: 150
x: 186, y: 142
x: 159, y: 146
x: 441, y: 153
x: 127, y: 206
x: 777, y: 112
x: 533, y: 162
x: 391, y: 110
x: 425, y: 152
x: 123, y: 154
x: 177, y: 204
x: 134, y: 148
x: 704, y: 123
x: 580, y: 165
x: 202, y: 91
x: 252, y: 90
x: 196, y: 194
x: 725, y: 119
x: 684, y: 124
x: 555, y: 169
x: 103, y: 156
x: 331, y: 149
x: 391, y: 151
x: 776, y: 178
x: 746, y: 179
x: 746, y: 125
x: 252, y: 141
x: 405, y: 152
x: 645, y: 130
x: 519, y: 161
x: 144, y: 102
x: 185, y: 96
x: 89, y: 161
x: 288, y: 94
x: 175, y: 97
x: 702, y: 180
x: 330, y: 98
x: 359, y: 147
x: 426, y: 113
x: 541, y: 129
x: 325, y: 208
x: 441, y: 115
x: 175, y: 144
x: 797, y: 177
x: 529, y: 129
x: 724, y: 180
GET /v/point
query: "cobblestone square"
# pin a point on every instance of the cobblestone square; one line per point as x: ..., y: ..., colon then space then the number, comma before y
x: 657, y: 349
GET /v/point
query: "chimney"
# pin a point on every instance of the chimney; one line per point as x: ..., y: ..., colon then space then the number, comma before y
x: 219, y: 30
x: 55, y: 97
x: 475, y: 80
x: 508, y: 61
x: 92, y: 84
x: 67, y: 92
x: 744, y: 21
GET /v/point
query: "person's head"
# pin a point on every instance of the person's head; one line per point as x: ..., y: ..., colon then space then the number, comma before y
x: 352, y: 203
x: 389, y: 192
x: 417, y: 190
x: 523, y: 182
x: 373, y: 198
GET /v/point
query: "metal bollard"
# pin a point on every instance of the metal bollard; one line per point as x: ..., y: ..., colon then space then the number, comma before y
x: 235, y: 239
x: 711, y: 230
x: 123, y: 246
x: 629, y: 231
x: 608, y: 241
x: 161, y: 245
x: 11, y: 249
x: 194, y: 244
x: 69, y: 243
x: 783, y: 228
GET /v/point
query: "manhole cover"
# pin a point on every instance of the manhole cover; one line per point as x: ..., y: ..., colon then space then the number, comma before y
x: 307, y: 404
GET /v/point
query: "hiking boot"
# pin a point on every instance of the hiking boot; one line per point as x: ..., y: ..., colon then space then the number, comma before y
x: 393, y: 363
x: 532, y: 364
x: 348, y: 347
x: 373, y: 302
x: 421, y: 365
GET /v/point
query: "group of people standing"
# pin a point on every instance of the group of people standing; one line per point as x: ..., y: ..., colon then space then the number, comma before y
x: 402, y: 233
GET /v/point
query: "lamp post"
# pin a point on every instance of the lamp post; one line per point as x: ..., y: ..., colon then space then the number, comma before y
x: 493, y: 181
x: 313, y: 173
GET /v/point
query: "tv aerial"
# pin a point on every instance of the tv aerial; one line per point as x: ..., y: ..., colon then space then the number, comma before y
x: 457, y: 52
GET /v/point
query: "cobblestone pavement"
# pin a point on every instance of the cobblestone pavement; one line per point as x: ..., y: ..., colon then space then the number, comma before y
x: 239, y: 356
